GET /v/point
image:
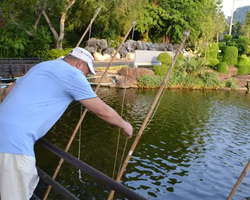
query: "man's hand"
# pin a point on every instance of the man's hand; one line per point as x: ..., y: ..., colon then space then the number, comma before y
x: 127, y: 130
x: 102, y: 110
x: 2, y: 94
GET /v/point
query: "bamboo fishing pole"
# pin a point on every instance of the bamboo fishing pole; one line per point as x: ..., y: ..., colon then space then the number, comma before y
x: 150, y: 112
x: 92, y: 20
x: 85, y: 111
x: 243, y: 173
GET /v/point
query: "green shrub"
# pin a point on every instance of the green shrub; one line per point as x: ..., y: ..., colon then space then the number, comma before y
x: 220, y: 58
x: 227, y: 37
x: 180, y: 57
x: 232, y: 43
x: 230, y: 83
x: 231, y: 55
x: 194, y: 65
x: 149, y: 81
x: 56, y: 53
x: 39, y: 46
x: 164, y: 58
x: 210, y: 80
x: 243, y: 44
x: 12, y: 42
x: 222, y: 67
x: 243, y: 69
x: 243, y: 60
x: 161, y: 70
x: 192, y: 82
x: 213, y: 62
x: 212, y: 51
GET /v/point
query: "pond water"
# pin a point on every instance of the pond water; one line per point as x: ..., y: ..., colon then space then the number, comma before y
x: 195, y: 147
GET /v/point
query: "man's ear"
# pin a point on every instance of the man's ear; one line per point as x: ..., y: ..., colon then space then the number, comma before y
x: 79, y: 64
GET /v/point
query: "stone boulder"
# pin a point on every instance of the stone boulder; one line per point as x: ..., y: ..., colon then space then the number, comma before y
x: 224, y: 76
x: 232, y: 70
x: 241, y: 80
x: 130, y: 76
x: 106, y: 78
x: 135, y: 72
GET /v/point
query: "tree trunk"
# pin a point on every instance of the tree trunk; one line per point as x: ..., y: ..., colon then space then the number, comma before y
x: 62, y: 24
x: 38, y: 17
x: 166, y: 39
x: 51, y: 27
x: 217, y: 38
x: 206, y: 50
x: 61, y: 35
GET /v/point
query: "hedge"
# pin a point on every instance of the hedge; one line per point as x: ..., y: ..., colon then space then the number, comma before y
x: 243, y: 60
x: 222, y: 67
x: 231, y: 55
x: 243, y: 69
x: 164, y: 58
x: 212, y: 52
x: 213, y: 62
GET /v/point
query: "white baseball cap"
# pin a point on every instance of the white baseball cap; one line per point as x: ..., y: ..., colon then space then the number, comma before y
x: 84, y: 55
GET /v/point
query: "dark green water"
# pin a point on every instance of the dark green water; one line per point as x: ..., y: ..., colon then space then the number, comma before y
x: 195, y: 147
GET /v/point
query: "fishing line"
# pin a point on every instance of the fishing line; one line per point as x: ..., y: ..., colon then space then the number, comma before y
x: 159, y: 102
x: 150, y: 112
x: 79, y: 145
x: 118, y: 139
x: 85, y: 111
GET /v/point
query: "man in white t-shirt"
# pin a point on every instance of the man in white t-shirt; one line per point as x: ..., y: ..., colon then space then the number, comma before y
x: 36, y: 101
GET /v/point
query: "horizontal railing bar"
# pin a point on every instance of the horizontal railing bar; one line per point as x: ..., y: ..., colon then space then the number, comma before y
x: 59, y: 188
x: 118, y: 187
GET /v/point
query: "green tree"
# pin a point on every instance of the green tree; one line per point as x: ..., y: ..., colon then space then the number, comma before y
x: 182, y: 15
x: 220, y: 21
x: 152, y: 19
x: 25, y: 19
x: 58, y: 9
x: 247, y: 25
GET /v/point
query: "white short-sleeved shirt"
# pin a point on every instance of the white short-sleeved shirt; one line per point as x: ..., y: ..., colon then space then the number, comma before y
x: 37, y: 101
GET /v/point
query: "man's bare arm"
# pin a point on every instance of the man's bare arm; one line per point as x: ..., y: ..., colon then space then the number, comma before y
x: 5, y: 91
x: 108, y: 114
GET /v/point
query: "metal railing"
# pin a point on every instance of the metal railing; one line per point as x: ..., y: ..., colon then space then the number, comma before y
x: 112, y: 184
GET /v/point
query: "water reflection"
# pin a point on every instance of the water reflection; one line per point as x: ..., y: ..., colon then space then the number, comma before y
x: 194, y: 148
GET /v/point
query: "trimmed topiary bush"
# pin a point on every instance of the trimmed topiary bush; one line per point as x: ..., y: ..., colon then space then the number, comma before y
x: 243, y: 60
x: 231, y: 55
x: 212, y: 51
x: 164, y: 58
x: 161, y: 70
x: 220, y: 58
x: 213, y: 62
x: 227, y: 37
x: 243, y: 69
x: 222, y: 67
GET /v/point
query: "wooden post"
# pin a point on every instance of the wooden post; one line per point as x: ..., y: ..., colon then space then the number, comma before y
x: 239, y: 181
x: 92, y: 20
